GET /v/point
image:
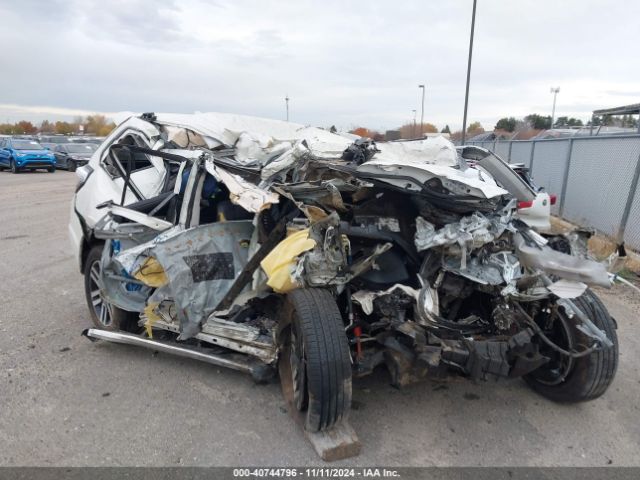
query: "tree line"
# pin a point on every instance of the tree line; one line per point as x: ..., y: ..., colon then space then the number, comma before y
x: 97, y: 125
x: 532, y: 122
x: 414, y: 130
x: 543, y: 122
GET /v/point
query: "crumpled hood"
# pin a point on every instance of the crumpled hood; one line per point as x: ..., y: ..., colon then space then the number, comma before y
x: 425, y: 159
x: 277, y: 144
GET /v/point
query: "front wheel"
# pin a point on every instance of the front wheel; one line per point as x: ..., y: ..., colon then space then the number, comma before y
x: 566, y: 379
x: 71, y: 166
x: 315, y: 364
x: 14, y: 167
x: 104, y: 315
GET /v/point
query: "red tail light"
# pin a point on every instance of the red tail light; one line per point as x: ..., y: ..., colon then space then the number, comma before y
x: 553, y: 199
x: 522, y: 205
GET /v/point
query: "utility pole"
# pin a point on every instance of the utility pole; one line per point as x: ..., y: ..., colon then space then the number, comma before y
x: 553, y: 110
x: 413, y: 132
x: 422, y: 111
x: 286, y: 100
x: 466, y: 94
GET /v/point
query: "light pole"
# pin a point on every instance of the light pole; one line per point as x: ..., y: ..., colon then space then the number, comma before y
x: 413, y: 132
x: 286, y: 101
x: 553, y: 110
x: 466, y: 94
x: 422, y: 111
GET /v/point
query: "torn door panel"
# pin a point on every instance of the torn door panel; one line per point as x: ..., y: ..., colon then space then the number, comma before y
x: 200, y: 264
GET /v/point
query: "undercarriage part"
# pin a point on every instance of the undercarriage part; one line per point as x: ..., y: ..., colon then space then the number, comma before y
x: 514, y: 356
x: 231, y: 336
x: 259, y: 371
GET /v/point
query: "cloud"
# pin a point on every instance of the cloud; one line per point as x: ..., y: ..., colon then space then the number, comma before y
x: 343, y: 63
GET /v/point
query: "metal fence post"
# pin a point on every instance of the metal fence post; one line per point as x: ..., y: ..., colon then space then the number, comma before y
x: 510, y: 147
x: 495, y: 142
x: 565, y: 180
x: 629, y: 204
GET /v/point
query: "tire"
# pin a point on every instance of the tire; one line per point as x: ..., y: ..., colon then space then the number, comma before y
x: 589, y: 376
x: 103, y: 315
x: 319, y: 362
x: 14, y: 167
x: 71, y: 166
x: 51, y: 169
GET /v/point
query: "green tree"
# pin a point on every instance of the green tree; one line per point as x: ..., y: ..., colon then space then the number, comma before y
x: 539, y: 122
x: 46, y: 127
x: 506, y: 123
x: 595, y: 121
x: 24, y: 127
x: 411, y: 130
x: 94, y: 124
x: 475, y: 128
x: 561, y: 122
x: 64, y: 128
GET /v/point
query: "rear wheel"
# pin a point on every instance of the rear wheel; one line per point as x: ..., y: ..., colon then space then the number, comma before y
x: 315, y: 365
x: 566, y: 379
x: 51, y: 169
x: 104, y: 315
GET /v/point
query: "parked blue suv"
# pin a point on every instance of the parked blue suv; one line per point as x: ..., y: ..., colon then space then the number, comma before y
x: 19, y: 154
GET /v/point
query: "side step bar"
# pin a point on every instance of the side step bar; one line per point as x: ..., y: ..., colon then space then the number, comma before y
x: 259, y: 371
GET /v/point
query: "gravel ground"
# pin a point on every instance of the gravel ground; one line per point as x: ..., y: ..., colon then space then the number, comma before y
x: 67, y: 401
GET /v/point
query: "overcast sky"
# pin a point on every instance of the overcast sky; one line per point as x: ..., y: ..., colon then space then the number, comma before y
x: 347, y: 63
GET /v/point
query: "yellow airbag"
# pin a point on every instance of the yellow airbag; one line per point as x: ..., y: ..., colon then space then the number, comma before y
x: 280, y: 262
x: 151, y: 273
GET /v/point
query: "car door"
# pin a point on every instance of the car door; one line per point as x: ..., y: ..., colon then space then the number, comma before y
x: 7, y: 151
x: 3, y: 152
x: 106, y: 182
x: 146, y: 173
x: 58, y: 152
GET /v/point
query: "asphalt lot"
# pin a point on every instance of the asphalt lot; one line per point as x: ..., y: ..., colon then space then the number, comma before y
x: 67, y: 401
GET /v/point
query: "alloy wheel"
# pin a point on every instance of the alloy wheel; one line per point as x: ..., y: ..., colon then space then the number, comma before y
x: 101, y: 307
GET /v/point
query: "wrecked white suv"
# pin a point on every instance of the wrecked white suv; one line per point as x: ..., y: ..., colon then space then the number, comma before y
x: 270, y: 247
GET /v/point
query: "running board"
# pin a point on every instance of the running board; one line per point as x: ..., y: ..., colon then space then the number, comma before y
x: 257, y: 370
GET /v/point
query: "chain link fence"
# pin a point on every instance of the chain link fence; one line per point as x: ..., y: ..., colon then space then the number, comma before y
x: 595, y: 179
